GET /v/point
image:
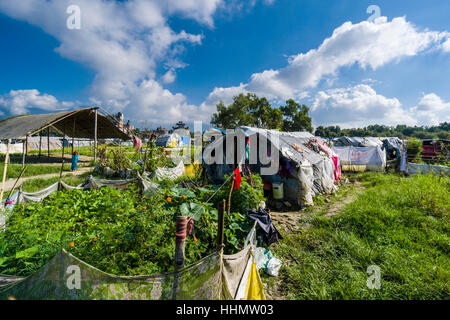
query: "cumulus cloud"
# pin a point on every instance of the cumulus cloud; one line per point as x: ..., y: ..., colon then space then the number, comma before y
x: 359, y: 105
x: 123, y: 42
x: 431, y: 110
x: 19, y: 101
x: 365, y: 44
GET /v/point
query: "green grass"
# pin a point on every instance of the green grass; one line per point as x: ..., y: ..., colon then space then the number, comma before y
x: 398, y: 224
x: 33, y: 185
x: 14, y: 169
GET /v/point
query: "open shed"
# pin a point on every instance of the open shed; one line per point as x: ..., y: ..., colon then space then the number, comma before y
x: 81, y: 123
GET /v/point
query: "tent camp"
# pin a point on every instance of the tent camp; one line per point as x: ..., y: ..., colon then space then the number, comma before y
x: 306, y: 165
x: 360, y: 153
x: 170, y: 140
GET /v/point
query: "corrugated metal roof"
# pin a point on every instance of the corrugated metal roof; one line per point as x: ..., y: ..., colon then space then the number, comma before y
x: 77, y: 123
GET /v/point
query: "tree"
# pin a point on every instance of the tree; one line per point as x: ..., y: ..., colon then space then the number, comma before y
x: 247, y: 110
x: 295, y: 117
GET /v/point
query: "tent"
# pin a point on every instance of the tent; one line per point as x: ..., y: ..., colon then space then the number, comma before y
x: 304, y: 167
x: 360, y: 153
x: 170, y: 140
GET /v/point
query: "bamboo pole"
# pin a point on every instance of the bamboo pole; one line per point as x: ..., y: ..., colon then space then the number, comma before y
x: 40, y: 144
x: 220, y: 225
x: 5, y: 168
x: 95, y: 136
x: 25, y: 147
x: 17, y: 180
x: 60, y: 174
x: 63, y: 142
x: 229, y: 195
x: 48, y: 142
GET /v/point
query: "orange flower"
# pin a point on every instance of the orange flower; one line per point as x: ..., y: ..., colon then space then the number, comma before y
x: 184, y: 197
x: 195, y: 239
x: 169, y: 199
x: 122, y: 211
x: 144, y: 208
x: 71, y: 244
x: 95, y: 239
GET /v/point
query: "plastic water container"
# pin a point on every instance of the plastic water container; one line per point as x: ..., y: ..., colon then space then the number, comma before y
x: 278, y: 193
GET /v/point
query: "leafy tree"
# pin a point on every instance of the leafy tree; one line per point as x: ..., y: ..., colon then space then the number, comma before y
x: 247, y: 110
x: 295, y: 117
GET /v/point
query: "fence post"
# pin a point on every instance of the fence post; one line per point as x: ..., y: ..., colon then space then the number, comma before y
x: 220, y: 224
x: 5, y: 169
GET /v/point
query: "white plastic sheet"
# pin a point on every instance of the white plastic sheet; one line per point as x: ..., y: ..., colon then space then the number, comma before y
x: 361, y: 158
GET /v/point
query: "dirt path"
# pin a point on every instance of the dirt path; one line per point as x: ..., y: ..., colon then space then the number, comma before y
x: 295, y: 221
x: 10, y: 183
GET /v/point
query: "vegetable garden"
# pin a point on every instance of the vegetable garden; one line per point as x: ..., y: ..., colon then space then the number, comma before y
x: 124, y: 232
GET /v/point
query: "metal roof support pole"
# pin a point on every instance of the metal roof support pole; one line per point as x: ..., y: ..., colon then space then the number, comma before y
x: 95, y: 136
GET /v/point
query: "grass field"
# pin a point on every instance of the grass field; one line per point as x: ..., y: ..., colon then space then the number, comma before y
x: 33, y: 185
x: 14, y: 169
x: 400, y: 225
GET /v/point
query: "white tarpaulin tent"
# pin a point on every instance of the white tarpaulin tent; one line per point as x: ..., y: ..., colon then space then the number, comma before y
x: 352, y: 158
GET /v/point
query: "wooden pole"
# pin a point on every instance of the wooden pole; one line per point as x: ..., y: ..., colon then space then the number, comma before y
x: 25, y: 149
x: 229, y: 195
x: 180, y: 246
x: 95, y: 136
x: 63, y: 142
x: 5, y: 168
x: 48, y: 142
x: 220, y: 224
x: 17, y: 180
x: 73, y: 132
x: 40, y: 144
x: 60, y: 174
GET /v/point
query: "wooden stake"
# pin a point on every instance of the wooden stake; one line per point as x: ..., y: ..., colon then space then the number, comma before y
x: 17, y: 180
x: 48, y: 142
x: 60, y: 174
x: 5, y: 168
x: 220, y: 225
x: 40, y: 144
x: 95, y: 136
x: 229, y: 195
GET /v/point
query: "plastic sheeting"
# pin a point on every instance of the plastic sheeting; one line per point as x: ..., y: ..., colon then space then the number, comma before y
x: 66, y: 277
x: 423, y: 168
x: 314, y: 172
x: 361, y: 158
x: 171, y: 140
x: 168, y: 173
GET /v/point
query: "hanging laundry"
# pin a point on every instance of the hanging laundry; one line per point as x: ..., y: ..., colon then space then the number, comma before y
x: 237, y: 179
x: 137, y: 143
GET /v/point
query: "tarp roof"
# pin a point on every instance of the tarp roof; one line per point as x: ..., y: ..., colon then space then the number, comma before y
x: 77, y: 123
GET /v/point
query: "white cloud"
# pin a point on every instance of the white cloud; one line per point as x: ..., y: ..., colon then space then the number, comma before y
x: 123, y: 42
x: 19, y: 101
x: 446, y: 46
x: 365, y: 44
x: 431, y: 110
x: 355, y: 106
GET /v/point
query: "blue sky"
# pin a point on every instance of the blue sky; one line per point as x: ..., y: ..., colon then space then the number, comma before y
x: 164, y: 61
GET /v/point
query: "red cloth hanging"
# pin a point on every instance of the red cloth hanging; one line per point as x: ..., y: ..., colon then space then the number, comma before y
x: 237, y: 179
